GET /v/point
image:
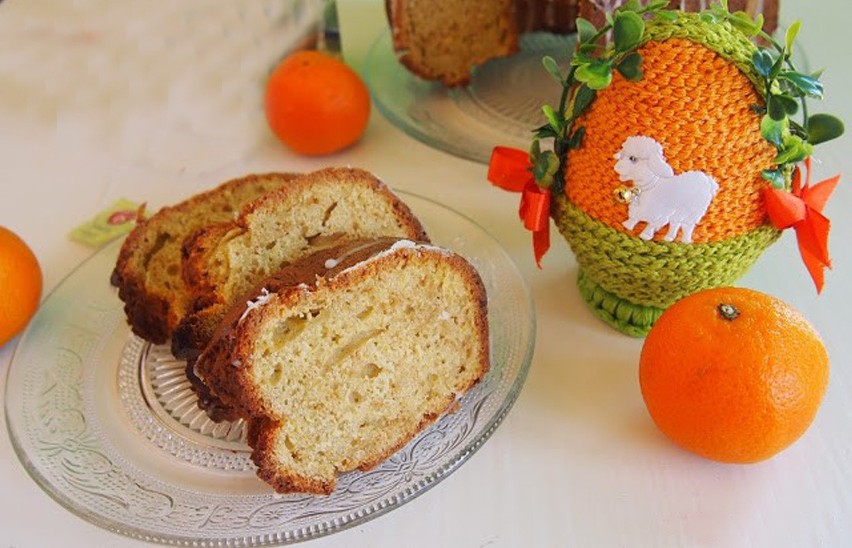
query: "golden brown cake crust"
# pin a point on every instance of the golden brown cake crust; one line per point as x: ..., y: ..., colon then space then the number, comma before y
x: 224, y: 364
x: 153, y: 312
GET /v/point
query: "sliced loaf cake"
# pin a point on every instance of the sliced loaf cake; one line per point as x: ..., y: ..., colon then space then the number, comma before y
x: 339, y: 360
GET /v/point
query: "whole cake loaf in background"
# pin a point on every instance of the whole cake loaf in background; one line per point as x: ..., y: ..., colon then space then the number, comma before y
x: 445, y: 39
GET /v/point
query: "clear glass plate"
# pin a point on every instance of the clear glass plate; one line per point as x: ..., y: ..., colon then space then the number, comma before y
x: 103, y: 423
x: 501, y: 106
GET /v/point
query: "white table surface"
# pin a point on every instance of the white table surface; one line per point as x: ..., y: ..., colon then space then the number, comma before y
x: 98, y: 101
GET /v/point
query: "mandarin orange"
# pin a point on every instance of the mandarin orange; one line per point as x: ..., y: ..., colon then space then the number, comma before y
x: 20, y: 284
x: 732, y: 374
x: 316, y: 104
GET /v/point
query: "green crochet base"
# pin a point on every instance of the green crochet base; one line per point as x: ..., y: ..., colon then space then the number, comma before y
x: 629, y: 318
x: 629, y: 279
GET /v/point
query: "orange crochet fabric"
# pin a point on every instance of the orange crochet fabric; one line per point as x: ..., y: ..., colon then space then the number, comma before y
x: 698, y: 106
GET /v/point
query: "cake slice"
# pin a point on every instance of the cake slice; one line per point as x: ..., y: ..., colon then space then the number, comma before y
x: 444, y: 39
x: 343, y: 357
x: 147, y: 272
x: 312, y: 212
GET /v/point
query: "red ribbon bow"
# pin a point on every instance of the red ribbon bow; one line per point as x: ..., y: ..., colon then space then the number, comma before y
x: 801, y: 208
x: 511, y: 169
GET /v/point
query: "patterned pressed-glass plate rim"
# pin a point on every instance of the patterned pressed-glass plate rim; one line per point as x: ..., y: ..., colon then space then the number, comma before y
x: 323, y: 526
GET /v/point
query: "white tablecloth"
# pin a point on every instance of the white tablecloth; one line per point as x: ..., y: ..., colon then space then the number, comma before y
x: 153, y: 101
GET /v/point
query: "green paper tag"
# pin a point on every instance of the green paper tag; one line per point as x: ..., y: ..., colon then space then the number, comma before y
x: 115, y: 221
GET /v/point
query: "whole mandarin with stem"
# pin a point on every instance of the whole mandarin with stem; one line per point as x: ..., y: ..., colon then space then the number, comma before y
x: 732, y: 374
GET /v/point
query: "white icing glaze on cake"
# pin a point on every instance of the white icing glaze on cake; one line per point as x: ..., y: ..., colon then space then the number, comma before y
x: 398, y: 245
x: 258, y: 302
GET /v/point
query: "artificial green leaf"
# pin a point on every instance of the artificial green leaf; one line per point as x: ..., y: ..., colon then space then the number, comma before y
x: 608, y: 18
x: 545, y: 132
x: 792, y: 141
x: 778, y: 65
x: 552, y: 118
x: 724, y: 5
x: 824, y: 127
x: 708, y: 17
x: 596, y: 75
x: 795, y: 150
x: 775, y: 108
x: 584, y: 72
x: 791, y: 157
x: 817, y: 73
x: 762, y: 61
x: 790, y: 105
x: 577, y: 138
x: 772, y: 130
x: 743, y: 21
x: 580, y: 58
x: 808, y: 85
x: 774, y: 176
x: 779, y: 106
x: 742, y: 17
x: 719, y: 11
x: 545, y: 167
x: 666, y: 15
x: 627, y: 30
x: 657, y: 5
x: 600, y: 82
x: 586, y: 31
x: 797, y: 129
x: 582, y: 99
x: 758, y: 23
x: 631, y: 5
x: 535, y: 151
x: 631, y: 67
x: 552, y: 68
x: 791, y: 34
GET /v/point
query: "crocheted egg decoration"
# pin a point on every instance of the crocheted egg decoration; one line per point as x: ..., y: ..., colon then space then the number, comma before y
x: 663, y: 197
x: 676, y: 159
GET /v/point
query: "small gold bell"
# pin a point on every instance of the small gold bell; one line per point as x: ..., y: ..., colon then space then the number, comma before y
x: 625, y: 194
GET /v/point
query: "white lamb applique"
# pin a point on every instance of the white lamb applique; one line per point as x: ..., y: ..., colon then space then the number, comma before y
x: 662, y: 198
